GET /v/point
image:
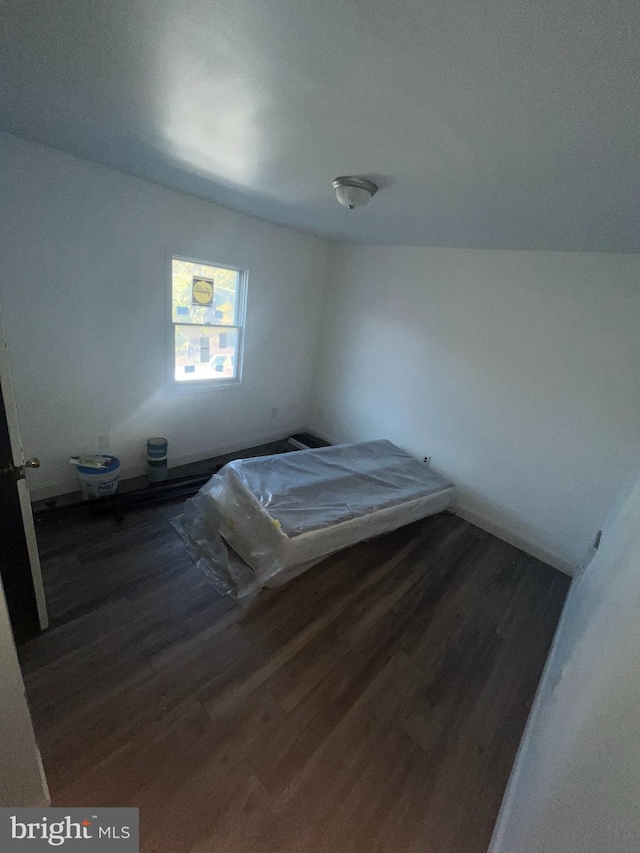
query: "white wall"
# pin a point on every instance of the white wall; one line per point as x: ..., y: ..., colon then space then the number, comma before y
x: 83, y: 260
x: 575, y: 786
x: 519, y: 372
x: 22, y: 780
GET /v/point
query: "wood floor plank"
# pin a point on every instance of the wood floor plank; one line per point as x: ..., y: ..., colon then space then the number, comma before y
x: 375, y: 703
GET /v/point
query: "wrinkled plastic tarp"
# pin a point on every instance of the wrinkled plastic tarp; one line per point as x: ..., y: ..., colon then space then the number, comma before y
x: 284, y: 513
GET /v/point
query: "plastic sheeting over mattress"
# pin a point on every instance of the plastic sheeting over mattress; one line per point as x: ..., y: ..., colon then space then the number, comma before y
x: 284, y: 513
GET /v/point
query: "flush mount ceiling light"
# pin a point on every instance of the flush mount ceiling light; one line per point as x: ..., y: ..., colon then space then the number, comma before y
x: 353, y: 192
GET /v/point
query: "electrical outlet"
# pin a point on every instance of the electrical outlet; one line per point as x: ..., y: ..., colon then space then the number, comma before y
x: 274, y: 412
x: 427, y: 460
x: 103, y: 442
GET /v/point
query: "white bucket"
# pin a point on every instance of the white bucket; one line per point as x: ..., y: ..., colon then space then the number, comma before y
x: 99, y: 482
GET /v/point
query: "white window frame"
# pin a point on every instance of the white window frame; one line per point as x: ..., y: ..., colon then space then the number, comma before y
x: 241, y: 315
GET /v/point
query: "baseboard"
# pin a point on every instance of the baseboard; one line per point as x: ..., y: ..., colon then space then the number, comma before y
x: 507, y: 535
x: 129, y: 472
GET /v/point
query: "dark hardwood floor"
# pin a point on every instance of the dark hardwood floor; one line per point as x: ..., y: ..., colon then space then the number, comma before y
x: 373, y: 704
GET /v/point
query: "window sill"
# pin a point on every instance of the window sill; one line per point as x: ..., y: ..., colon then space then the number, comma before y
x: 203, y: 385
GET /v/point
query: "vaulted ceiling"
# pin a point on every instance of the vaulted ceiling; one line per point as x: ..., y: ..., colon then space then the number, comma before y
x: 498, y: 124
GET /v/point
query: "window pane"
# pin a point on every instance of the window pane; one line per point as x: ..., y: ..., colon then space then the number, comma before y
x: 205, y: 352
x: 203, y: 294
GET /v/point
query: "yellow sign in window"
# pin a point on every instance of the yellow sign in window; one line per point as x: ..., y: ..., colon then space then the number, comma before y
x: 202, y: 291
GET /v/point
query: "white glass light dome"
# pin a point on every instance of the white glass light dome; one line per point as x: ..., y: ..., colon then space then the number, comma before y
x: 354, y: 192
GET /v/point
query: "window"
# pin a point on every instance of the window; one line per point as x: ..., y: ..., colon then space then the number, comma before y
x: 207, y: 317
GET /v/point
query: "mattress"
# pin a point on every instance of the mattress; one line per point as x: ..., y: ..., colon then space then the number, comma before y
x: 284, y: 513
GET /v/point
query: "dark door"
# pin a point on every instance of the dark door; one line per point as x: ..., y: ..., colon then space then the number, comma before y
x: 15, y: 567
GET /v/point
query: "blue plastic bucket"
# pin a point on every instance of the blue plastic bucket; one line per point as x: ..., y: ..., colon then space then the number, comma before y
x: 99, y: 482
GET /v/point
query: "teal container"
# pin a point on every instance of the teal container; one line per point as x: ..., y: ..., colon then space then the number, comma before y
x: 157, y: 449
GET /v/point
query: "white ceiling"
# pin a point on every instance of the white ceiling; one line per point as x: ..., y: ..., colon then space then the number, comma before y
x: 501, y: 124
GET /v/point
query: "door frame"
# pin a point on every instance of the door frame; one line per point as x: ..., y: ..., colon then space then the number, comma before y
x: 24, y: 496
